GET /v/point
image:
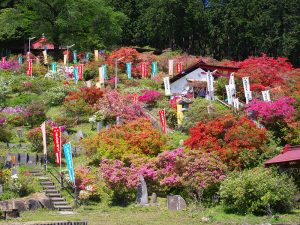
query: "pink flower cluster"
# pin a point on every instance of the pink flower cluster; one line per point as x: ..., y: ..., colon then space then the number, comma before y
x: 2, y: 121
x: 149, y: 96
x: 281, y: 109
x: 10, y: 65
x: 13, y: 110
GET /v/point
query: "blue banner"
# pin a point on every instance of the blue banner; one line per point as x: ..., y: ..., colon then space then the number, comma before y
x: 128, y: 70
x: 74, y: 57
x: 54, y: 70
x: 104, y: 71
x: 20, y: 59
x: 154, y: 69
x: 86, y: 57
x: 75, y: 72
x: 69, y: 161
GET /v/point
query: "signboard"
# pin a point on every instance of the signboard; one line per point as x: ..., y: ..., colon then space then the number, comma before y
x: 29, y: 67
x: 57, y: 143
x: 167, y: 86
x: 162, y: 115
x: 69, y: 161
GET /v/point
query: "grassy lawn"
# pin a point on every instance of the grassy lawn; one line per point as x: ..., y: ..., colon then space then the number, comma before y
x: 99, y: 214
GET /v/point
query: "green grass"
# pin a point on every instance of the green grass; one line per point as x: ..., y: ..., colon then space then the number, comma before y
x: 101, y: 214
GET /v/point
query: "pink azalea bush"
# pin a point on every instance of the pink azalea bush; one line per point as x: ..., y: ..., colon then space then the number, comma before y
x: 149, y: 96
x: 281, y: 109
x: 10, y: 65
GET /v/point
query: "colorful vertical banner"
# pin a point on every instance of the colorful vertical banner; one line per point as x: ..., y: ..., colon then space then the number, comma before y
x: 135, y: 98
x: 248, y: 93
x: 3, y: 60
x: 43, y: 128
x: 45, y: 57
x: 101, y: 76
x: 86, y: 57
x: 162, y: 116
x: 69, y: 161
x: 154, y: 69
x: 96, y: 55
x: 128, y: 70
x: 104, y: 71
x: 75, y: 71
x: 229, y: 95
x: 171, y: 67
x: 167, y: 86
x: 57, y: 143
x: 29, y: 67
x: 236, y: 103
x: 178, y: 67
x: 80, y: 71
x: 266, y: 96
x: 143, y: 69
x: 54, y: 68
x: 20, y: 59
x: 210, y: 84
x: 65, y: 59
x: 179, y: 114
x: 74, y: 57
x: 232, y: 82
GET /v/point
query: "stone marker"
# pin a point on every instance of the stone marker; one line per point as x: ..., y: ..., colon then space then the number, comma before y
x: 79, y: 135
x: 1, y: 189
x: 20, y: 133
x: 118, y: 120
x: 153, y: 199
x: 175, y: 202
x: 99, y: 126
x: 31, y: 159
x: 142, y: 194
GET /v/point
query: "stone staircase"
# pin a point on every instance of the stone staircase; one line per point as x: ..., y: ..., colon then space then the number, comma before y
x: 58, y: 202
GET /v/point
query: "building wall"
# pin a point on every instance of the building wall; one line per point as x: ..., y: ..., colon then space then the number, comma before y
x: 178, y: 86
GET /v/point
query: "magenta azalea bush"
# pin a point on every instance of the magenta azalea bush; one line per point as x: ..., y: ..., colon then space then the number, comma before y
x: 281, y: 109
x: 10, y: 65
x: 149, y: 96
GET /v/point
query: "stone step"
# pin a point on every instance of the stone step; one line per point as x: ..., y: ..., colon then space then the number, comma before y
x: 63, y: 208
x: 47, y: 183
x: 53, y: 195
x: 50, y: 191
x: 57, y: 199
x: 47, y: 187
x: 44, y: 179
x: 60, y: 203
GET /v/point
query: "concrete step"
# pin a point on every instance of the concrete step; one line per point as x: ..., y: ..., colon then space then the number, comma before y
x: 50, y: 191
x: 57, y: 199
x: 44, y: 179
x: 47, y: 187
x: 47, y: 183
x: 63, y: 208
x: 60, y: 203
x: 53, y: 195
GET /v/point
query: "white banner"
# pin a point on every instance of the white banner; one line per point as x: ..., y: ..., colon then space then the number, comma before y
x: 248, y: 93
x: 229, y: 95
x: 96, y: 55
x: 266, y: 96
x: 210, y: 81
x: 171, y: 67
x: 43, y: 128
x: 232, y: 82
x: 167, y: 86
x: 248, y: 96
x: 65, y: 59
x: 101, y: 76
x: 236, y: 103
x: 45, y: 57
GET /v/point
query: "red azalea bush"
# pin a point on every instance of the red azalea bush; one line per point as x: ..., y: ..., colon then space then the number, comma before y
x: 127, y: 54
x: 35, y: 137
x: 89, y: 94
x: 149, y: 96
x: 229, y: 137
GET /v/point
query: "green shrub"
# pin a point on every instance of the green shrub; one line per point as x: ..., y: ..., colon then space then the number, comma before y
x: 23, y: 99
x: 258, y: 191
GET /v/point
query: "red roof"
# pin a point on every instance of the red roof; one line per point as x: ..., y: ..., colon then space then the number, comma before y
x: 41, y: 43
x: 291, y: 154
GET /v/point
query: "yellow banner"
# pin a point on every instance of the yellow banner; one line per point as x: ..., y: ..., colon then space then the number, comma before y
x: 96, y: 53
x: 179, y: 115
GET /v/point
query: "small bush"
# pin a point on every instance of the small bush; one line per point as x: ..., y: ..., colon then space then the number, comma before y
x: 258, y: 191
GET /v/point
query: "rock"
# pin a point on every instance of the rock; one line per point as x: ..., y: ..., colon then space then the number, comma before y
x: 46, y: 203
x: 205, y: 219
x: 175, y: 202
x: 142, y: 195
x: 4, y: 205
x: 19, y: 205
x: 13, y: 214
x: 33, y: 204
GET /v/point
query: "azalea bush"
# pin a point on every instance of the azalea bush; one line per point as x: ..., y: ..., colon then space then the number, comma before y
x: 34, y: 136
x: 229, y: 137
x: 149, y: 97
x: 258, y: 191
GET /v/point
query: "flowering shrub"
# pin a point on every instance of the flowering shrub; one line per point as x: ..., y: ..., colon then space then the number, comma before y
x: 127, y: 55
x: 136, y: 137
x: 35, y: 137
x: 89, y: 94
x: 229, y: 137
x: 35, y: 113
x: 149, y: 96
x: 281, y: 109
x: 13, y: 110
x: 10, y: 65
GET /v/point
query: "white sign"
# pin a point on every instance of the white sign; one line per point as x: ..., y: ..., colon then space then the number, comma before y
x: 236, y: 103
x: 167, y: 86
x: 229, y: 95
x: 266, y: 96
x: 232, y: 82
x: 248, y: 93
x: 171, y: 67
x: 248, y: 96
x: 101, y: 75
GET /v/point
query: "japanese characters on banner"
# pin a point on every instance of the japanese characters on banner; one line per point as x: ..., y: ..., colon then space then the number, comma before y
x: 143, y: 69
x: 154, y: 69
x: 248, y: 93
x: 210, y: 84
x: 57, y: 144
x: 29, y: 67
x: 104, y: 71
x: 80, y: 71
x: 20, y: 59
x: 232, y: 83
x: 43, y: 128
x: 65, y: 59
x: 69, y: 160
x: 86, y: 57
x: 229, y: 95
x: 128, y: 70
x: 171, y: 67
x: 167, y: 86
x: 162, y: 115
x: 54, y: 69
x: 178, y: 67
x: 75, y: 71
x: 3, y: 60
x: 179, y: 114
x: 96, y: 55
x: 74, y: 57
x: 266, y: 96
x: 45, y: 57
x: 236, y: 103
x: 101, y: 76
